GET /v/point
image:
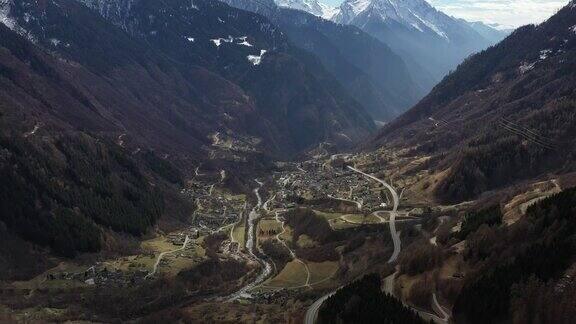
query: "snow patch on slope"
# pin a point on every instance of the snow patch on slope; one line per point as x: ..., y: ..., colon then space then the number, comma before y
x: 242, y: 40
x: 5, y: 8
x: 256, y: 59
x: 219, y: 41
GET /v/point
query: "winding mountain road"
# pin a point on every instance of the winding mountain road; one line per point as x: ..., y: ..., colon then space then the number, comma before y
x: 445, y: 316
x: 292, y: 254
x: 312, y: 312
x: 393, y: 213
x: 358, y: 203
x: 161, y: 255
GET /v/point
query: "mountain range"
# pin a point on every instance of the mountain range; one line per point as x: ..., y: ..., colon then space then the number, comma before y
x: 374, y: 75
x: 251, y: 160
x: 159, y: 85
x: 427, y: 39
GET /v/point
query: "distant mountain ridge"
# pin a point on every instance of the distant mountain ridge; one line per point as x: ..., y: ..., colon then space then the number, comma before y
x: 369, y: 70
x: 429, y: 41
x: 489, y: 32
x: 416, y: 30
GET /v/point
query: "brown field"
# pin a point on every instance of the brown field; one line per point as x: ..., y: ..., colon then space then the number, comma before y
x: 293, y: 275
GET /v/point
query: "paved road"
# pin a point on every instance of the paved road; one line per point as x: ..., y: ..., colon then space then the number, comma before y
x: 397, y: 247
x: 393, y: 213
x: 292, y: 254
x: 265, y: 206
x: 358, y: 203
x: 445, y: 316
x: 312, y: 312
x: 161, y: 255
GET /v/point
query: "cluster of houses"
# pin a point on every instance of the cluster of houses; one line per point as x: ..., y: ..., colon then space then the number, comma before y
x: 312, y: 181
x: 101, y: 276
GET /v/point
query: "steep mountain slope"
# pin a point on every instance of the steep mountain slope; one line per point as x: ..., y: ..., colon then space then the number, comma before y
x: 300, y: 102
x: 98, y: 129
x: 373, y: 75
x: 505, y: 115
x: 524, y: 271
x: 63, y: 185
x: 431, y: 39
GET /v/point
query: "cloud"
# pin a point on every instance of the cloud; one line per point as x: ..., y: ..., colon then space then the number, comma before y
x: 504, y: 12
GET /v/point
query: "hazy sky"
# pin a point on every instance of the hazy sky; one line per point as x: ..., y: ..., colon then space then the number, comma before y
x: 506, y: 12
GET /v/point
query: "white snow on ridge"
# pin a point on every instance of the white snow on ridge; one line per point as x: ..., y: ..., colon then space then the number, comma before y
x: 256, y: 59
x: 5, y: 7
x: 359, y: 6
x: 430, y: 25
x: 328, y: 12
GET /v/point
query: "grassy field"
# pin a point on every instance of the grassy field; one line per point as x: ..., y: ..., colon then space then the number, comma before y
x: 328, y: 216
x: 293, y: 275
x: 340, y: 221
x: 41, y: 282
x: 238, y: 235
x: 269, y: 224
x: 361, y: 219
x: 305, y: 241
x: 320, y: 271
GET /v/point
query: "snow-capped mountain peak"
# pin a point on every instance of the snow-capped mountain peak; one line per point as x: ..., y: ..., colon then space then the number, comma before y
x: 311, y: 6
x: 413, y: 14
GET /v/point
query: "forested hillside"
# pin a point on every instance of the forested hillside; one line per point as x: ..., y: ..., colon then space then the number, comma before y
x: 505, y: 115
x: 526, y: 274
x: 363, y: 302
x: 57, y: 192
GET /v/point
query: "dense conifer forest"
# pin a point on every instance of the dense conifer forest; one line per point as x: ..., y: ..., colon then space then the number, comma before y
x: 66, y: 191
x: 529, y: 256
x: 364, y: 302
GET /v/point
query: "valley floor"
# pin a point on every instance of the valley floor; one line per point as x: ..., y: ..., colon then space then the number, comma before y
x: 278, y: 252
